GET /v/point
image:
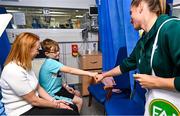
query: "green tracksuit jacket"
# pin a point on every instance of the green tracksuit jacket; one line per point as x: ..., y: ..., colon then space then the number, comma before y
x: 166, y: 60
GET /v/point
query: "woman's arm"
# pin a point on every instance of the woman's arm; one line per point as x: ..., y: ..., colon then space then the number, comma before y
x: 76, y: 71
x: 113, y: 72
x: 35, y: 100
x: 171, y: 39
x: 44, y: 94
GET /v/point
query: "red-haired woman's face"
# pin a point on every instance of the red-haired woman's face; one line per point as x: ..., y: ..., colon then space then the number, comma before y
x: 35, y: 50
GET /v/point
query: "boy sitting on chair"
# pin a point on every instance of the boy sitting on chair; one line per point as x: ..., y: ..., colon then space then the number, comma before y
x: 48, y: 75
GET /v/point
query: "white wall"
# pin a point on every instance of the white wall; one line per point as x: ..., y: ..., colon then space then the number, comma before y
x: 59, y: 35
x: 176, y: 2
x: 176, y: 10
x: 79, y: 4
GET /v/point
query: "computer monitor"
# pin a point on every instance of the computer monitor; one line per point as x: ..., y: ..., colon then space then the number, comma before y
x: 93, y: 11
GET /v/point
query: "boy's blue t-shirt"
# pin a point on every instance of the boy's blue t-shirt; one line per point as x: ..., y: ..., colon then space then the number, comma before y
x: 48, y: 76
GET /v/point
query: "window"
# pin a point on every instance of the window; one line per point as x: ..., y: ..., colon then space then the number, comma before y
x: 48, y: 17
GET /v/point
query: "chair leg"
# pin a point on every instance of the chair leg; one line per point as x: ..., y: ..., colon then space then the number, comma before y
x: 109, y: 94
x: 105, y: 112
x: 90, y: 100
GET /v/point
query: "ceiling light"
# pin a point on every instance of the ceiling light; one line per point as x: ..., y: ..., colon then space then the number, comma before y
x: 79, y: 16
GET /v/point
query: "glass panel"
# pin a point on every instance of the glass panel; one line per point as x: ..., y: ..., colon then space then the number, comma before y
x: 176, y: 12
x: 49, y: 18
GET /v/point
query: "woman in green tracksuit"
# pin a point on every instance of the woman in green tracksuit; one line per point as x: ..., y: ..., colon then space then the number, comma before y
x: 159, y: 67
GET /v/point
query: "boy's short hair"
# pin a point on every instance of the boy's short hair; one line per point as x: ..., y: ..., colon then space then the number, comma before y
x: 49, y: 44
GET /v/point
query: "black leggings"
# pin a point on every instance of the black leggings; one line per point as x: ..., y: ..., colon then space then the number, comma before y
x: 63, y: 92
x: 49, y: 111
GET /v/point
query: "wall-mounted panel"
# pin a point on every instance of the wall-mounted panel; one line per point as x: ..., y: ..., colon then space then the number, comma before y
x: 79, y: 4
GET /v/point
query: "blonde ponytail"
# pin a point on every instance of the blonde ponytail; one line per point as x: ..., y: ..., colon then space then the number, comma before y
x: 156, y: 6
x: 162, y: 6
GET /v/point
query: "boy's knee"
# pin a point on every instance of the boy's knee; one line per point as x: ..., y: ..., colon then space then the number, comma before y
x: 80, y: 100
x: 77, y: 100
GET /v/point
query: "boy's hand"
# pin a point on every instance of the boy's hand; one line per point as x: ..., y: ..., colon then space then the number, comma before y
x: 70, y: 90
x: 77, y: 93
x: 93, y: 74
x: 98, y: 77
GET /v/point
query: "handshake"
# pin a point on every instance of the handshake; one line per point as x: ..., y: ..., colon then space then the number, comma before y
x: 108, y: 81
x: 97, y: 77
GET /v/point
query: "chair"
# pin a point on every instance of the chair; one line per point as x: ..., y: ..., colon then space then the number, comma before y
x: 122, y: 81
x: 127, y: 106
x: 133, y: 105
x: 2, y: 109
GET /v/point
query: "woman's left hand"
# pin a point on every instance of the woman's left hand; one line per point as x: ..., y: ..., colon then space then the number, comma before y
x: 61, y: 101
x: 146, y: 81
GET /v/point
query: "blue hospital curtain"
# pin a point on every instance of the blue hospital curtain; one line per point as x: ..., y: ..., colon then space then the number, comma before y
x: 4, y: 42
x: 4, y: 48
x: 115, y: 31
x: 170, y: 3
x: 4, y: 51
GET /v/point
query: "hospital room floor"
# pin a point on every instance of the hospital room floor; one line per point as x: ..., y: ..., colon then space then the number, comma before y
x: 95, y: 108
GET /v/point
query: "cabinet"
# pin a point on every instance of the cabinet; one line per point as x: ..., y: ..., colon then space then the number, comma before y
x: 89, y: 62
